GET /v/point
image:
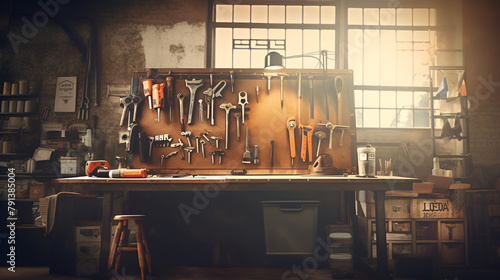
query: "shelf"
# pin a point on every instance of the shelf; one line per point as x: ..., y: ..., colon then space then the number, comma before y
x: 18, y: 96
x: 426, y: 241
x: 454, y: 137
x: 449, y: 115
x: 14, y: 155
x: 18, y: 114
x: 452, y: 241
x: 450, y: 156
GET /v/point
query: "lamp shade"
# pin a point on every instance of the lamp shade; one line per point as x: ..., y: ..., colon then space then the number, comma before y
x: 274, y: 61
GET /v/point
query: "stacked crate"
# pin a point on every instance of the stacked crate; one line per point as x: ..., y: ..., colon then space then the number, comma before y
x: 418, y: 227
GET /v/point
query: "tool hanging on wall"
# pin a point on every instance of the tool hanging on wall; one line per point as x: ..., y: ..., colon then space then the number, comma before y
x: 299, y: 92
x: 282, y: 89
x: 271, y: 154
x: 339, y: 85
x: 268, y: 76
x: 332, y: 127
x: 257, y: 93
x: 148, y: 90
x: 311, y: 91
x: 291, y: 124
x: 231, y: 76
x: 181, y: 96
x: 124, y: 103
x: 242, y: 101
x: 192, y: 85
x: 217, y: 93
x: 136, y: 98
x: 158, y: 95
x: 247, y: 155
x: 170, y: 97
x: 83, y: 112
x: 307, y: 133
x: 227, y: 107
x: 320, y: 135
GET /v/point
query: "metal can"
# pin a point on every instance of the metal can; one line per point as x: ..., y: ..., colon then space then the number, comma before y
x: 366, y: 161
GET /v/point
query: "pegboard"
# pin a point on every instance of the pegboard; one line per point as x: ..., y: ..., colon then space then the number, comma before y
x: 266, y: 120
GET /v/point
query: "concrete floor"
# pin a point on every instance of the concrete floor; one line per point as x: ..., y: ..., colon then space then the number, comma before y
x: 259, y: 273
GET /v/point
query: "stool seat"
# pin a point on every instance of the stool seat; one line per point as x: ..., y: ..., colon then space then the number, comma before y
x: 129, y: 217
x: 120, y: 243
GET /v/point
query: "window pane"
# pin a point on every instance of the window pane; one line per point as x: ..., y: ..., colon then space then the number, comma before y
x: 355, y: 16
x: 371, y: 118
x: 223, y: 48
x: 311, y: 45
x: 371, y: 16
x: 328, y: 44
x: 371, y: 65
x: 421, y: 99
x: 421, y: 68
x: 276, y: 14
x: 259, y: 33
x: 388, y: 99
x: 387, y: 16
x: 293, y: 14
x: 387, y: 118
x: 358, y: 98
x: 405, y: 118
x: 359, y: 117
x: 276, y: 34
x: 420, y: 17
x: 432, y: 15
x: 404, y: 68
x: 371, y: 99
x: 293, y: 47
x: 328, y: 14
x: 404, y: 17
x: 405, y: 99
x: 259, y: 13
x: 241, y: 33
x: 388, y: 57
x: 242, y: 13
x: 241, y: 58
x: 311, y: 14
x: 224, y: 13
x: 355, y: 54
x: 422, y: 118
x: 258, y: 58
x: 421, y: 36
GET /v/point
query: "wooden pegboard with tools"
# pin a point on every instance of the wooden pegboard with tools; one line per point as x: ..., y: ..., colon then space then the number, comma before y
x: 265, y: 120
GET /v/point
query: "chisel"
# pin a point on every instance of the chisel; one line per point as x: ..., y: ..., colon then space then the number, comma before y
x: 170, y: 95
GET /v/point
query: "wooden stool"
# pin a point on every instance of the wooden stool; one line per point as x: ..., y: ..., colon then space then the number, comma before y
x: 120, y: 243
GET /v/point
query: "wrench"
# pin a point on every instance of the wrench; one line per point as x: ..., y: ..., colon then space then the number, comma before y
x: 181, y: 96
x: 320, y: 135
x: 163, y: 157
x: 242, y: 101
x: 189, y: 150
x: 188, y: 136
x: 124, y: 103
x: 237, y: 116
x: 332, y: 127
x: 202, y: 142
x: 192, y: 85
x: 208, y: 98
x: 200, y: 104
x: 217, y: 92
x: 227, y: 107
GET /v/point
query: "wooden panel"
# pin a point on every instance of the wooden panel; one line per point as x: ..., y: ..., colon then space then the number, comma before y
x: 266, y: 121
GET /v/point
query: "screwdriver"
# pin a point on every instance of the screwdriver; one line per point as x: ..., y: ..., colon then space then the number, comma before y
x: 170, y: 95
x: 148, y: 84
x: 158, y: 98
x: 291, y: 125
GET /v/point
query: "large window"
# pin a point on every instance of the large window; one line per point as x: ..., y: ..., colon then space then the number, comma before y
x: 389, y: 45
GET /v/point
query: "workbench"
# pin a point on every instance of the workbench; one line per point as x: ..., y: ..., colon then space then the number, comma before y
x: 285, y: 183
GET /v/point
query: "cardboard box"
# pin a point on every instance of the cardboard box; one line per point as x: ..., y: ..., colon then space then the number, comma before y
x: 70, y: 165
x: 394, y: 208
x: 37, y: 190
x: 441, y: 183
x: 87, y: 258
x: 434, y: 209
x: 391, y: 236
x: 425, y: 187
x: 87, y: 234
x: 452, y: 231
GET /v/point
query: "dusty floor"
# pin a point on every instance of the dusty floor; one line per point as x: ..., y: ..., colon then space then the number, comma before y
x: 185, y: 273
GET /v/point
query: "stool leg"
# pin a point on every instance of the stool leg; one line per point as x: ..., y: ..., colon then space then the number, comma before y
x: 112, y: 251
x: 148, y: 256
x: 140, y: 248
x: 123, y: 240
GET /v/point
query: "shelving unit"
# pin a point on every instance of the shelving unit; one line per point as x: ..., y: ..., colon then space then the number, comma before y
x: 457, y: 151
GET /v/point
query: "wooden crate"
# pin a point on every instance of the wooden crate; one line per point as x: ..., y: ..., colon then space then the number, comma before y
x: 434, y: 209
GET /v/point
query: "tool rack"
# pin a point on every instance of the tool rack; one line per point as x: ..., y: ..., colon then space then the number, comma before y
x: 265, y: 120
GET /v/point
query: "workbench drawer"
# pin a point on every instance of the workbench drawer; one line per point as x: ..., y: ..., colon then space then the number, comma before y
x: 401, y: 249
x: 452, y: 231
x: 401, y: 226
x: 452, y: 253
x: 427, y: 250
x: 426, y: 230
